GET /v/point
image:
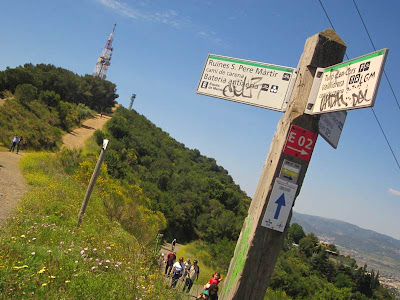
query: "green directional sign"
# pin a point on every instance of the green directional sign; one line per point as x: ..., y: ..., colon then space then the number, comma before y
x: 348, y: 85
x: 249, y: 82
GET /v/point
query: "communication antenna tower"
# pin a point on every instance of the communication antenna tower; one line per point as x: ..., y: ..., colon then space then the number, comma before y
x: 132, y: 99
x: 104, y: 61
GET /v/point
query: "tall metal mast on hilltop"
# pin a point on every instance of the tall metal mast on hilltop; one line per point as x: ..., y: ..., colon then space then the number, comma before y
x: 104, y: 61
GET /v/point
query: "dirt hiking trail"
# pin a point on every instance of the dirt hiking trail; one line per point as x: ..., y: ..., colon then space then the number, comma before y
x: 12, y: 182
x: 77, y: 138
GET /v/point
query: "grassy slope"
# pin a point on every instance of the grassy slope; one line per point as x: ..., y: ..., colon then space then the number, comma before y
x: 43, y: 254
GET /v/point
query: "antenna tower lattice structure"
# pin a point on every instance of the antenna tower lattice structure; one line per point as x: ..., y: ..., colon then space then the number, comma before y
x: 104, y: 61
x: 132, y: 99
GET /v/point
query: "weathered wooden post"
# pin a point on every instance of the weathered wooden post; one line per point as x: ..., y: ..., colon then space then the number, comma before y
x: 92, y: 181
x: 259, y: 245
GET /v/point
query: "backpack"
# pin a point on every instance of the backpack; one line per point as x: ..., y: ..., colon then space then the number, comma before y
x: 177, y: 273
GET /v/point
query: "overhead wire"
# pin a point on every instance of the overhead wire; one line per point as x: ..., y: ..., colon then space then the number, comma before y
x: 372, y: 43
x: 376, y: 117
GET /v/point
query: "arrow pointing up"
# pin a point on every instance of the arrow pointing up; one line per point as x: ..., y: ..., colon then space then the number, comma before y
x: 281, y: 202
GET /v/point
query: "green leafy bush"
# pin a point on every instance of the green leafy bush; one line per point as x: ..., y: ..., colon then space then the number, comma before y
x: 25, y: 92
x: 50, y: 98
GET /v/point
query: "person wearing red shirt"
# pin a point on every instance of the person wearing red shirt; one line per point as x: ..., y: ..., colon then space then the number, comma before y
x: 215, y: 279
x: 170, y: 261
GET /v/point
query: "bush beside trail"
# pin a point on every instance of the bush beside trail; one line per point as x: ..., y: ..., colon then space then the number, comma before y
x: 40, y: 125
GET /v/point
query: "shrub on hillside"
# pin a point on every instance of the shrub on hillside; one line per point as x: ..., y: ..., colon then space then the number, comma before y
x: 125, y: 204
x: 25, y: 93
x: 99, y: 137
x: 50, y: 98
x: 69, y: 159
x: 72, y: 115
x: 33, y: 121
x: 38, y: 123
x: 83, y: 111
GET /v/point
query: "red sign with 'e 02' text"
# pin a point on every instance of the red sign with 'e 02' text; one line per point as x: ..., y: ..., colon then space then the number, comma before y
x: 300, y: 143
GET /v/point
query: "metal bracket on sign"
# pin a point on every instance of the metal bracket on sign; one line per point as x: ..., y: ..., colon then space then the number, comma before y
x: 314, y: 91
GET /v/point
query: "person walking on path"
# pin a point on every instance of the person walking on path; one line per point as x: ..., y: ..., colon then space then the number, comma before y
x: 169, y: 262
x: 20, y: 143
x: 186, y: 268
x: 14, y: 142
x: 193, y: 274
x: 173, y: 244
x: 177, y: 271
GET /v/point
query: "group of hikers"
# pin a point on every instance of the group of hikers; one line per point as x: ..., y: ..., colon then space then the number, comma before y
x: 188, y: 272
x: 16, y: 142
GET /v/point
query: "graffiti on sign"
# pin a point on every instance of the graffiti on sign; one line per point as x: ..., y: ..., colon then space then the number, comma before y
x: 248, y: 82
x: 349, y: 85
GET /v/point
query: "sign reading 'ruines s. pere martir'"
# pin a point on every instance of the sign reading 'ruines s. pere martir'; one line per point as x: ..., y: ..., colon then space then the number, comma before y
x: 248, y: 82
x: 348, y: 85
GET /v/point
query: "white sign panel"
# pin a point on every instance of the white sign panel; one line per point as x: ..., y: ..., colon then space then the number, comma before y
x: 348, y: 85
x: 290, y: 171
x: 279, y: 205
x: 248, y: 82
x: 331, y: 126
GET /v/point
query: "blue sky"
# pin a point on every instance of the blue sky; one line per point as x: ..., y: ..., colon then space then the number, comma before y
x: 160, y: 48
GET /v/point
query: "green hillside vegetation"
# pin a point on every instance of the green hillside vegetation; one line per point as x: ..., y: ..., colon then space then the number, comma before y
x: 198, y: 198
x: 44, y: 255
x: 377, y: 250
x: 148, y: 184
x: 40, y: 102
x: 313, y: 271
x: 91, y: 91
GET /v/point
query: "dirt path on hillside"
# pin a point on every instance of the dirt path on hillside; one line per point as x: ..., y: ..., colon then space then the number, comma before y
x: 77, y: 138
x: 12, y: 183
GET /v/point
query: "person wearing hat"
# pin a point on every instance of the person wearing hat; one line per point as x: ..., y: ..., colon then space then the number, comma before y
x: 193, y: 273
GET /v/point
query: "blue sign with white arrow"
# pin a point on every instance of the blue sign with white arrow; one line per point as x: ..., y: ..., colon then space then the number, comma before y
x: 279, y: 205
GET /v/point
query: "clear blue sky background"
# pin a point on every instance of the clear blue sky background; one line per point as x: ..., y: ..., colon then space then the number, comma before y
x: 160, y: 50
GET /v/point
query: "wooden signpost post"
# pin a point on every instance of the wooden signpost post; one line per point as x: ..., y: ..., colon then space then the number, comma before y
x: 321, y: 84
x: 270, y: 211
x: 269, y: 215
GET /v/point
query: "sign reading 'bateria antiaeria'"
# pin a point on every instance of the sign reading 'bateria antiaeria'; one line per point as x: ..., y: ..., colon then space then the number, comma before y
x: 348, y: 85
x: 245, y: 81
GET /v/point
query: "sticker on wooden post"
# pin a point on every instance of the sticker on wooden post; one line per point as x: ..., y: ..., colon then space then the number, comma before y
x: 279, y: 205
x: 290, y: 171
x: 300, y: 143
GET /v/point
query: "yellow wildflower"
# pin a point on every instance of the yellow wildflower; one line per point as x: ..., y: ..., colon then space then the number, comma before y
x: 20, y: 267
